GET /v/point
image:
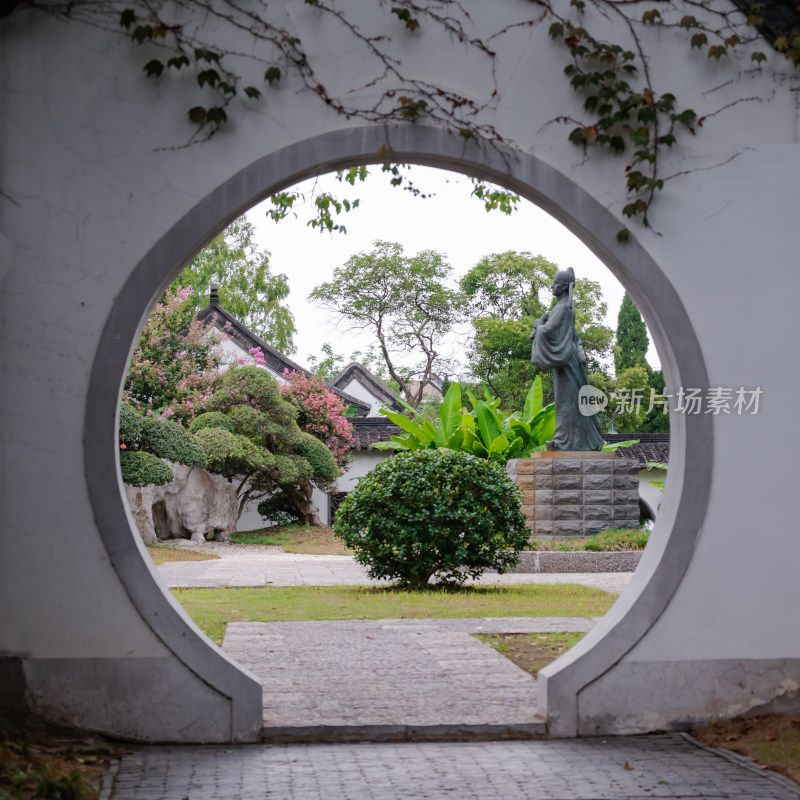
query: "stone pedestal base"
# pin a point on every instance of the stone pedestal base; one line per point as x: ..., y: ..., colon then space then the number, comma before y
x: 577, y: 493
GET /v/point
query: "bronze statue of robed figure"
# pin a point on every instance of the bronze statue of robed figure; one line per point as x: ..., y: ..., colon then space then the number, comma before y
x: 557, y: 346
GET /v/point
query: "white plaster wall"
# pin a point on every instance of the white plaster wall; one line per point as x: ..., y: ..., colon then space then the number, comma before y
x: 359, y: 391
x: 91, y: 184
x: 652, y: 495
x: 363, y: 461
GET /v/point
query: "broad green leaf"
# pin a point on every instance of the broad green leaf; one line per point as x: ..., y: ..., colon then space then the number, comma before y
x: 389, y: 446
x: 543, y: 426
x: 516, y: 448
x: 456, y: 441
x: 485, y: 421
x: 467, y: 422
x: 428, y: 430
x: 616, y: 445
x: 499, y: 445
x: 479, y: 450
x: 408, y: 425
x: 533, y: 401
x: 450, y: 409
x: 520, y: 428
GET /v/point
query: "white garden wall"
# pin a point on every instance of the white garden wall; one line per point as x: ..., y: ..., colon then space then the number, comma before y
x: 101, y: 207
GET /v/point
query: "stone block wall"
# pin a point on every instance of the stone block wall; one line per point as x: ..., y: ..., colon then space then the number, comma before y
x: 577, y: 494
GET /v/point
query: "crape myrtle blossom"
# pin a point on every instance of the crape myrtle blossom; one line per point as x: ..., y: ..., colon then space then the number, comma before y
x: 320, y: 412
x: 176, y: 363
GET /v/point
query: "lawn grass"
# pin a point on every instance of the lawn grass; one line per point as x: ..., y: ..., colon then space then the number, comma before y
x: 531, y: 651
x: 308, y: 539
x: 160, y: 553
x: 212, y: 609
x: 612, y: 539
x: 772, y: 741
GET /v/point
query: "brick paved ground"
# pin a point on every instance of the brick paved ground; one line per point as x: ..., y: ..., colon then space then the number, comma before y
x: 661, y: 766
x: 266, y: 566
x: 397, y: 673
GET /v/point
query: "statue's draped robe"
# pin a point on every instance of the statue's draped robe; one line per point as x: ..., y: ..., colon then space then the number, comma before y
x: 556, y: 346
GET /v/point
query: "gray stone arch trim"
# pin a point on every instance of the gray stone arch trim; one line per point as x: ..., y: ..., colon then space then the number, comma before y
x: 669, y: 553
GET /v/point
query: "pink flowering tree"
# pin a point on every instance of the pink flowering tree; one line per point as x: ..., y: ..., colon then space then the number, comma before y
x: 320, y: 412
x: 175, y: 365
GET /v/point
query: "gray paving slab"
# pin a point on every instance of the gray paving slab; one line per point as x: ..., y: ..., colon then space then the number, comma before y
x: 268, y: 567
x: 402, y: 673
x: 619, y: 768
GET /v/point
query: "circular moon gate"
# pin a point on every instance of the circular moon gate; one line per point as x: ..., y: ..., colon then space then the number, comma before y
x: 684, y: 508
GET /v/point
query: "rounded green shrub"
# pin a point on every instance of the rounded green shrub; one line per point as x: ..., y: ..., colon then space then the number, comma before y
x: 130, y: 426
x: 144, y: 469
x: 433, y: 512
x: 172, y: 441
x: 211, y: 419
x: 323, y: 463
x: 230, y: 454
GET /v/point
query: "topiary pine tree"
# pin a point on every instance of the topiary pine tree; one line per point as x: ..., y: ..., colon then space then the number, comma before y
x: 250, y: 435
x: 632, y: 342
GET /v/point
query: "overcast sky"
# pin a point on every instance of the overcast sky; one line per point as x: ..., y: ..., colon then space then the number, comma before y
x: 450, y: 222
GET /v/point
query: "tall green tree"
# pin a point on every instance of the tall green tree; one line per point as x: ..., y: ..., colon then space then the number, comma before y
x: 404, y: 301
x: 656, y: 421
x: 247, y: 287
x: 630, y: 349
x: 506, y: 292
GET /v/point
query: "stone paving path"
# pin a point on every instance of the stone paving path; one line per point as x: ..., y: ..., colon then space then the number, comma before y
x: 393, y: 678
x: 660, y: 766
x: 269, y: 566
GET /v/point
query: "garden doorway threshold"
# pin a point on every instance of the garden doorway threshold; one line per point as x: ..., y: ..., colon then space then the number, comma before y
x: 391, y: 680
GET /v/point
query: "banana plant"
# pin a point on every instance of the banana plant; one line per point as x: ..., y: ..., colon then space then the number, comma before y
x: 485, y: 431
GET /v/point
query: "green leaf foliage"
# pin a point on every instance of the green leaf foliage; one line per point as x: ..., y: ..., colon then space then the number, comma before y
x: 323, y: 464
x: 279, y: 510
x: 506, y: 292
x: 232, y: 455
x: 248, y: 289
x: 251, y: 435
x: 632, y: 341
x: 484, y: 431
x: 144, y: 469
x: 430, y: 513
x: 211, y: 419
x: 169, y: 440
x: 130, y: 426
x: 272, y: 75
x: 404, y: 301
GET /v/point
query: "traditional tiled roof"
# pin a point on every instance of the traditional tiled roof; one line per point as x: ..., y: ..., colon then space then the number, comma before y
x: 369, y: 430
x: 223, y: 320
x: 652, y: 447
x: 370, y: 382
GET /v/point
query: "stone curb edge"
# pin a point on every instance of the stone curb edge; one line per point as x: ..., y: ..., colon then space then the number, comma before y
x: 532, y: 561
x: 745, y: 762
x: 336, y: 734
